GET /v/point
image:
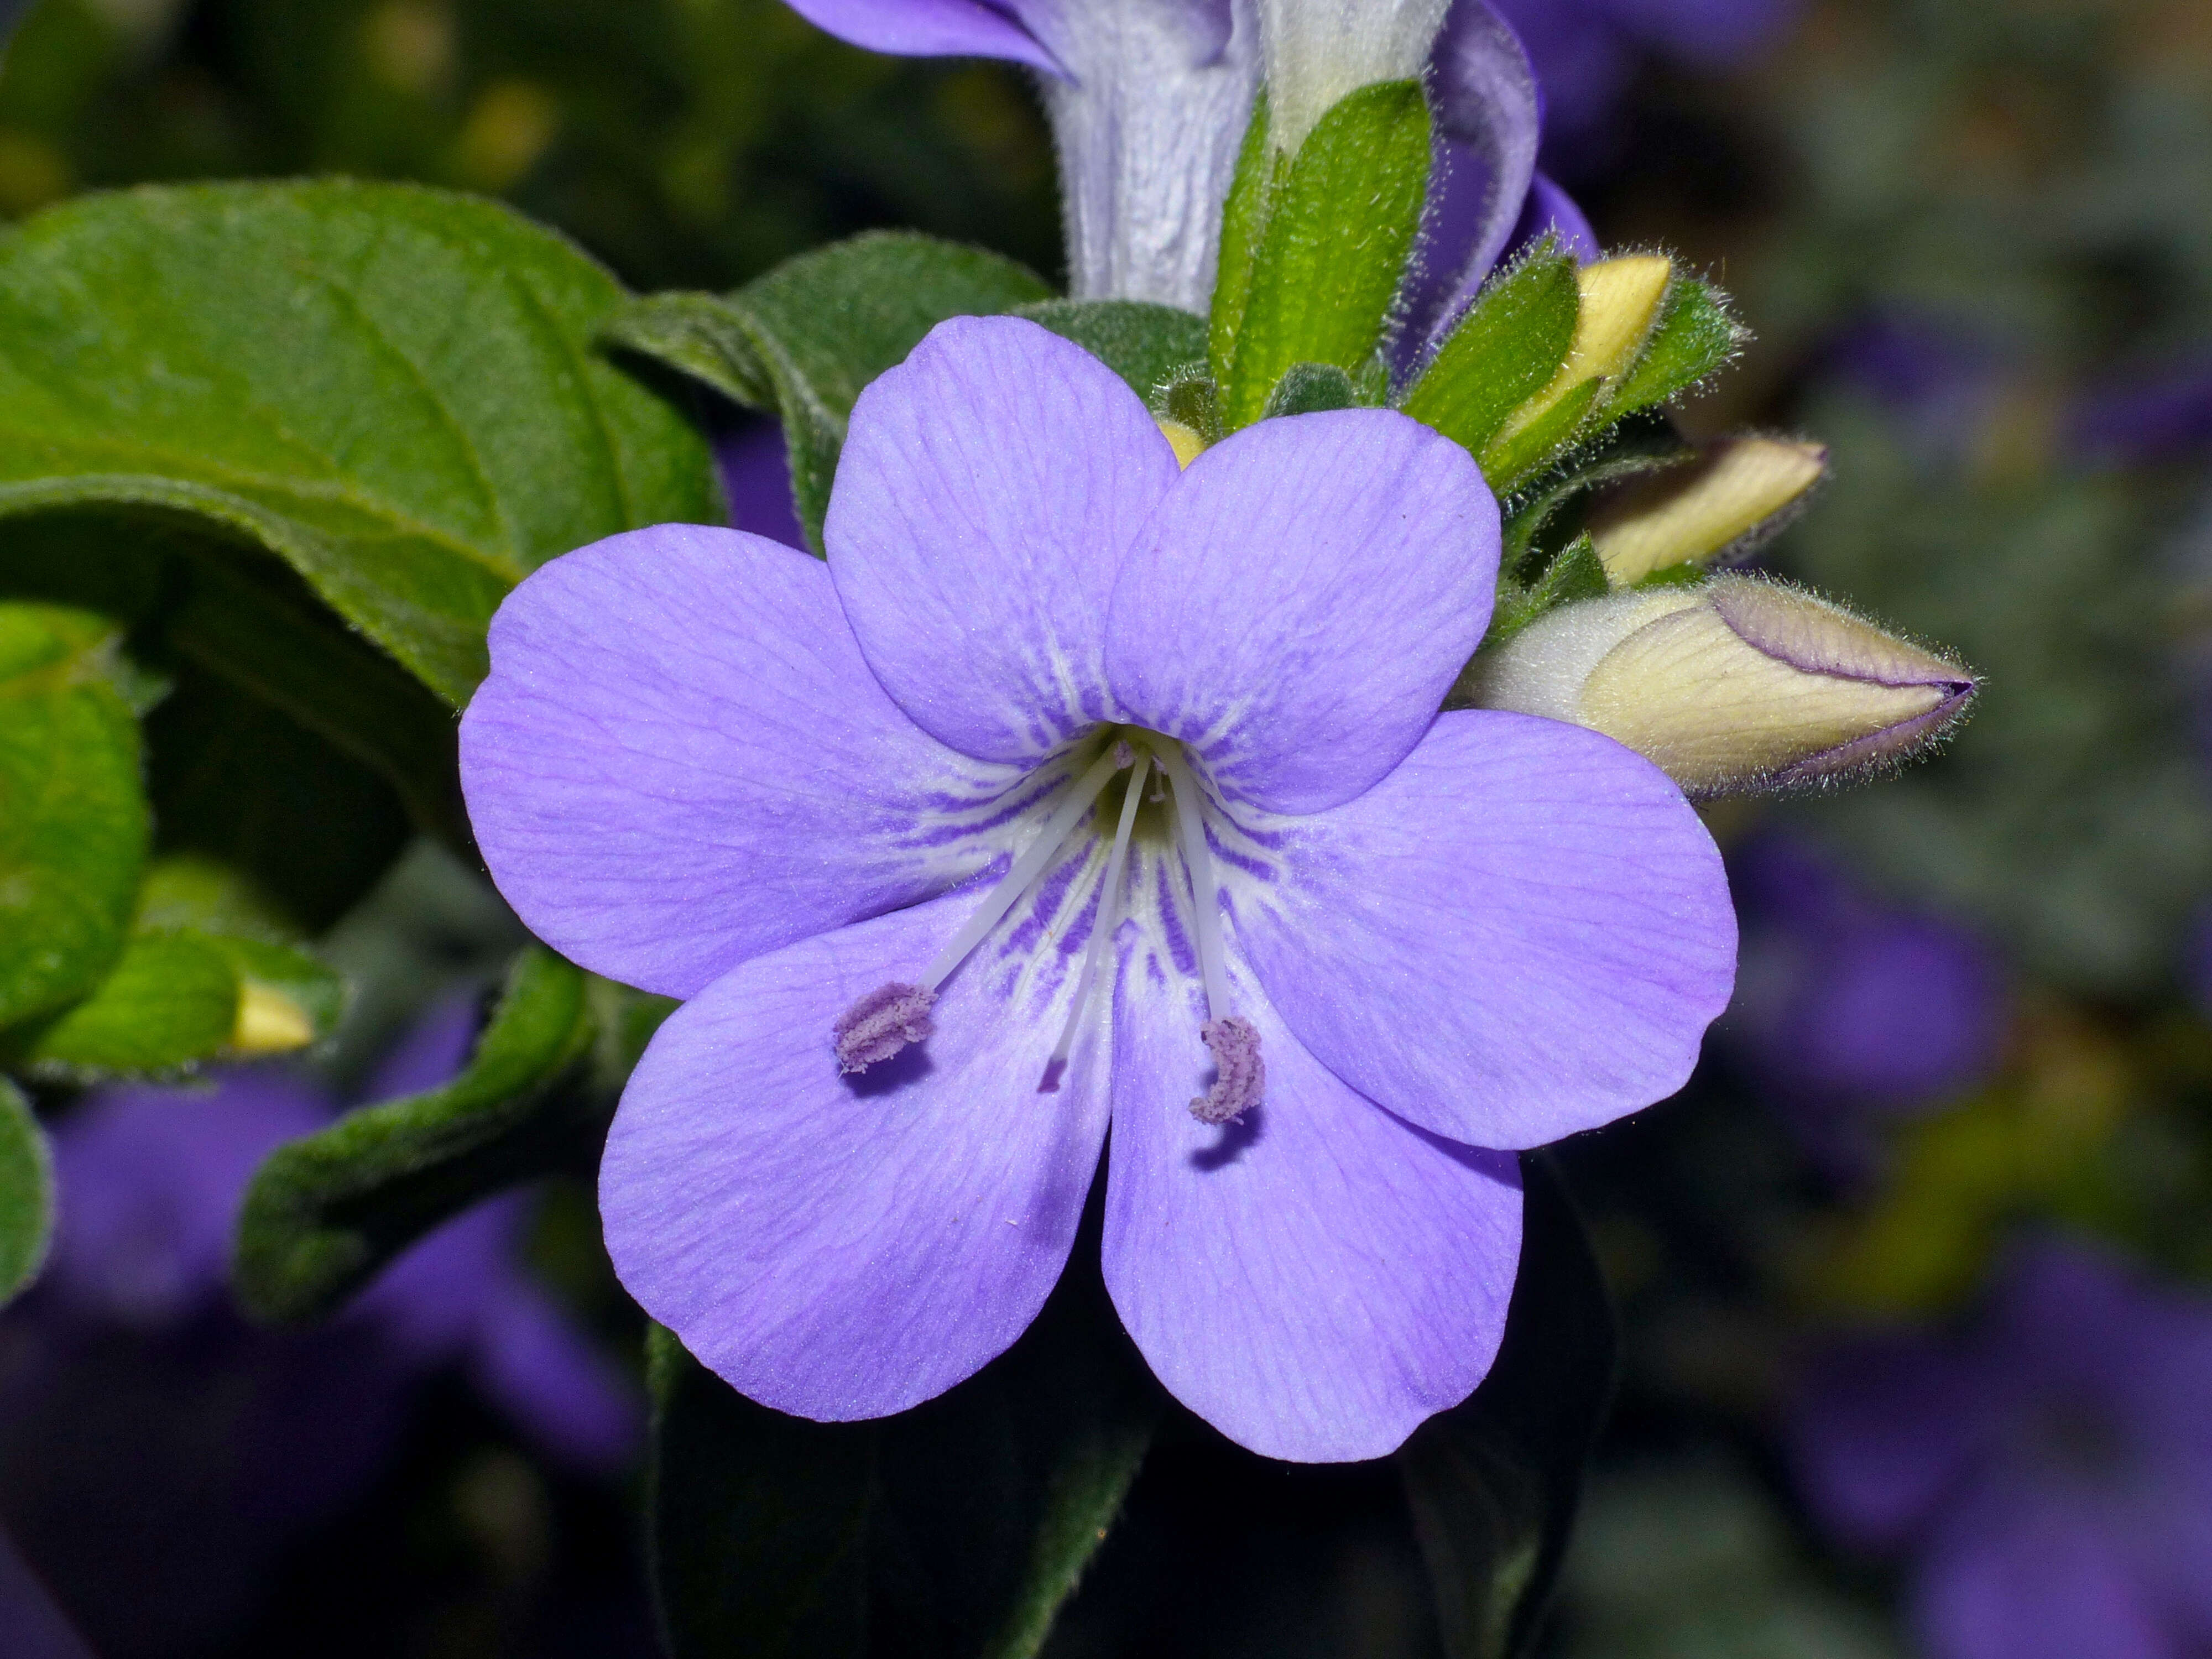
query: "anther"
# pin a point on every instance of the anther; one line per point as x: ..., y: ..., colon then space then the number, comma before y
x: 882, y: 1023
x: 1241, y: 1075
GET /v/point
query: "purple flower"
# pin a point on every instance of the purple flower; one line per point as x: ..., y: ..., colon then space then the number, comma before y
x: 917, y: 834
x: 1584, y: 51
x: 1149, y: 99
x: 2149, y: 418
x: 156, y: 1454
x: 1845, y: 1003
x: 2049, y: 1471
x: 757, y: 478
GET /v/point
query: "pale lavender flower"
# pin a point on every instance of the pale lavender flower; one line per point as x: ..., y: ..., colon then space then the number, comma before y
x: 2048, y: 1472
x: 1148, y: 101
x: 1069, y: 775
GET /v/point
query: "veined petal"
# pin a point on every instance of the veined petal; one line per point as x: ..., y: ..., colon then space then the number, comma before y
x: 1522, y: 933
x: 1297, y: 608
x: 988, y: 494
x: 931, y: 28
x: 847, y: 1247
x: 1316, y: 1278
x: 680, y: 760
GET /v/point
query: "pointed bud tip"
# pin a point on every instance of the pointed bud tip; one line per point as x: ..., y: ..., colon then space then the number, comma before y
x: 1737, y: 493
x: 1737, y: 685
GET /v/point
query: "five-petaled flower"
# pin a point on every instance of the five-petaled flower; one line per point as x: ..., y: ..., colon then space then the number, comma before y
x: 1075, y: 789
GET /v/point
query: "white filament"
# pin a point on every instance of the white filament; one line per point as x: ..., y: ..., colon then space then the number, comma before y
x: 1109, y: 908
x: 1026, y: 869
x: 1206, y: 898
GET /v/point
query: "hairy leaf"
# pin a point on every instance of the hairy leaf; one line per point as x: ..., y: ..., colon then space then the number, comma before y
x: 392, y: 389
x: 27, y: 1193
x: 73, y: 819
x: 1310, y: 389
x: 172, y: 999
x: 802, y: 341
x: 1512, y: 461
x: 1506, y: 351
x: 1243, y: 221
x: 1338, y: 229
x: 1576, y: 573
x: 953, y: 1531
x: 324, y: 1214
x: 1494, y: 1483
x: 1144, y: 343
x: 1695, y: 335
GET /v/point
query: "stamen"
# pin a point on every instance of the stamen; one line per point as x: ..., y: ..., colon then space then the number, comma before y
x: 1241, y: 1075
x: 1027, y: 868
x: 1206, y: 898
x: 882, y: 1022
x: 1102, y: 929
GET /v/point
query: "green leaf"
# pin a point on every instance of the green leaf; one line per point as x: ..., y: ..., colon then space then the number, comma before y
x: 1694, y: 337
x: 1260, y: 171
x: 172, y: 999
x: 1638, y: 445
x: 1142, y: 342
x: 1577, y: 572
x: 758, y: 1523
x: 1191, y: 399
x: 956, y: 1529
x: 234, y: 778
x: 1494, y: 1483
x: 1510, y: 463
x: 324, y: 1213
x: 392, y: 389
x: 1311, y: 389
x: 996, y: 1495
x: 27, y: 1193
x: 73, y: 818
x: 269, y: 638
x: 802, y: 341
x: 1504, y: 352
x: 1339, y: 229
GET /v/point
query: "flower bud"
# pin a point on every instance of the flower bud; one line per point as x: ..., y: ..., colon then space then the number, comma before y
x: 270, y: 1023
x: 1620, y: 299
x: 1318, y: 51
x: 1736, y: 684
x: 1738, y: 488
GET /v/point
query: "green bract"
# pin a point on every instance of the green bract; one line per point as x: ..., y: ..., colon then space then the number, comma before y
x: 803, y: 340
x: 26, y: 1193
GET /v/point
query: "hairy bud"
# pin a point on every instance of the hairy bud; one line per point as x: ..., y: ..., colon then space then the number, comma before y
x: 1736, y: 684
x: 1738, y: 491
x: 1620, y: 299
x: 1319, y: 51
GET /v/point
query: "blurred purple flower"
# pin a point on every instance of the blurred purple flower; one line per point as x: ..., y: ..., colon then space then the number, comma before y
x: 2049, y: 1472
x: 1585, y: 51
x: 2151, y: 418
x: 156, y: 1453
x: 1939, y: 377
x: 1845, y: 1006
x: 850, y: 807
x: 31, y: 1626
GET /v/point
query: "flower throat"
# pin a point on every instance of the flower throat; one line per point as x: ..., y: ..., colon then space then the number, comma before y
x: 894, y: 1016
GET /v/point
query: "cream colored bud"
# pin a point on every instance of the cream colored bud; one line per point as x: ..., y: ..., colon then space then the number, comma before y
x: 1736, y: 684
x: 1738, y: 489
x: 1186, y: 443
x: 1320, y: 52
x: 1620, y: 302
x: 270, y: 1023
